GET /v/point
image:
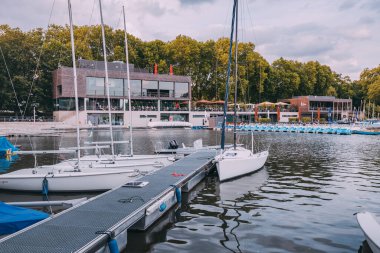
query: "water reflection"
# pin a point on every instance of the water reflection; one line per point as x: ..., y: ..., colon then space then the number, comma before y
x: 6, y: 162
x: 302, y: 201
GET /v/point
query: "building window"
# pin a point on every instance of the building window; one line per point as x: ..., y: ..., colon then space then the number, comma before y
x: 174, y: 105
x: 166, y: 89
x: 95, y: 86
x: 199, y: 116
x: 101, y: 104
x: 68, y: 104
x: 149, y: 88
x: 181, y: 90
x: 116, y: 87
x: 135, y: 88
x: 59, y: 90
x: 148, y: 116
x: 174, y: 117
x: 144, y: 105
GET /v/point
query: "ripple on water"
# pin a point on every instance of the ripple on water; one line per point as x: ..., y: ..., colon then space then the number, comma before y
x: 302, y: 201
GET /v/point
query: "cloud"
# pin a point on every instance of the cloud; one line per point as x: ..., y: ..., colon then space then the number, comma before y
x: 356, y: 33
x: 303, y: 40
x: 366, y: 20
x: 195, y: 2
x: 348, y: 4
x: 371, y: 5
x: 342, y: 34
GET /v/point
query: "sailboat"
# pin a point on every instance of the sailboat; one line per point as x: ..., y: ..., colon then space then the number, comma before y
x: 236, y: 161
x: 58, y: 178
x: 370, y: 225
x: 124, y: 160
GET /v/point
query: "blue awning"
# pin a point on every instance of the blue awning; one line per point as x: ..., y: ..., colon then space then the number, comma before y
x: 13, y: 218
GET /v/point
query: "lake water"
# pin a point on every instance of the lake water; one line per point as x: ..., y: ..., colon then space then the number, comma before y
x: 303, y: 200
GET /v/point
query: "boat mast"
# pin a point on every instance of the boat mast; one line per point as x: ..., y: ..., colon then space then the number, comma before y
x: 107, y: 81
x: 236, y: 69
x: 129, y: 85
x: 75, y: 80
x: 228, y: 79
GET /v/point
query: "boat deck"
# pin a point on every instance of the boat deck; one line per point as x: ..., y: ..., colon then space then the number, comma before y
x: 76, y: 229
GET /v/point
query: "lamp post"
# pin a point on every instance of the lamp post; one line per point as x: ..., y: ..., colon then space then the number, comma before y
x: 22, y: 113
x: 34, y: 111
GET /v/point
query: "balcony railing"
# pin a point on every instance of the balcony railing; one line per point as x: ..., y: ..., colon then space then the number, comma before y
x: 167, y: 108
x: 103, y: 108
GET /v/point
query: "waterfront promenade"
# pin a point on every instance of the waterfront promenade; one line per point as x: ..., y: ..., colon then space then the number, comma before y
x: 31, y: 128
x: 41, y: 128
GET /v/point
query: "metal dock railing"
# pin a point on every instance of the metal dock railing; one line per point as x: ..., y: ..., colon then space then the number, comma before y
x: 84, y: 228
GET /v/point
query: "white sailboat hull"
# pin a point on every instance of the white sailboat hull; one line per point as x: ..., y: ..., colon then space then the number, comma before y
x: 371, y: 228
x: 64, y: 181
x: 143, y: 163
x: 244, y: 162
x: 127, y: 158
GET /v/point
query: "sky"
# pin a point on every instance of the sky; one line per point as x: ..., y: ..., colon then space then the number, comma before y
x: 343, y: 34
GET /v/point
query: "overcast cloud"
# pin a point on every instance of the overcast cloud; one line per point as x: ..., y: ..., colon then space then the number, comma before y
x: 340, y: 33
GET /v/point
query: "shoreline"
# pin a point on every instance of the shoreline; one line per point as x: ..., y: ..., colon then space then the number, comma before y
x: 13, y: 129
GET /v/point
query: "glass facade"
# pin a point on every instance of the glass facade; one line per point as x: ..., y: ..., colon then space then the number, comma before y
x: 116, y: 87
x: 143, y: 105
x: 68, y: 104
x: 101, y: 104
x: 167, y: 89
x: 174, y: 105
x: 103, y: 119
x: 174, y: 117
x: 181, y: 90
x: 149, y: 88
x: 95, y: 86
x: 135, y: 88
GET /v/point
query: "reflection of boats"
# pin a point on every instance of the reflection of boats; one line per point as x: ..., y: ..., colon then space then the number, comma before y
x: 366, y: 132
x: 233, y: 192
x: 240, y: 187
x: 236, y: 161
x: 6, y: 162
x: 6, y: 148
x: 169, y: 124
x: 371, y: 229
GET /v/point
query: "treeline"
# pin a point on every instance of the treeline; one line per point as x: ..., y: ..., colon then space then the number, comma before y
x: 32, y: 56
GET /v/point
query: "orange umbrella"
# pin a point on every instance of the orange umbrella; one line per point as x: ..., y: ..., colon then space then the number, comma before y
x: 218, y: 102
x: 203, y: 102
x: 266, y: 103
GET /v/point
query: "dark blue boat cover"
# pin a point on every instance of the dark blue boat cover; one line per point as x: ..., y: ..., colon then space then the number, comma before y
x: 13, y: 218
x: 5, y: 145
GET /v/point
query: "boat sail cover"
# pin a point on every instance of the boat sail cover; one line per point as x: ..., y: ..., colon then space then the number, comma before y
x: 13, y: 218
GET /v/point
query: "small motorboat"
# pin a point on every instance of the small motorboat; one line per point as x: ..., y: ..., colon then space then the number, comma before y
x: 370, y: 226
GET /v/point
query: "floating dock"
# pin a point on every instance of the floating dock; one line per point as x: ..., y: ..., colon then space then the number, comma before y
x: 102, y: 222
x: 322, y: 129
